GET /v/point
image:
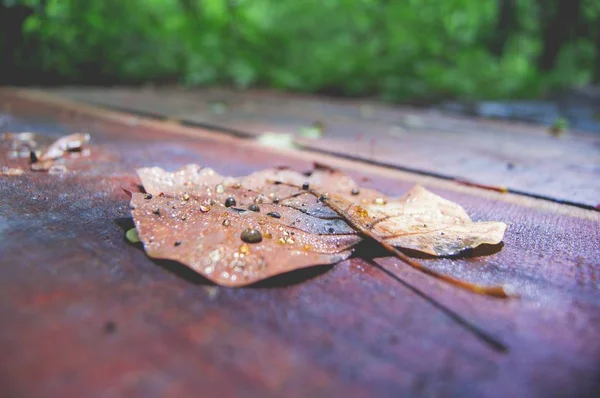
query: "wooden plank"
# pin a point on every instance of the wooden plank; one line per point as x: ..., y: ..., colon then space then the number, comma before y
x: 86, y: 314
x: 524, y: 158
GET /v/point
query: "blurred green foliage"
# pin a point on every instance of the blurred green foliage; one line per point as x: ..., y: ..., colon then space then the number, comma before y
x: 396, y: 50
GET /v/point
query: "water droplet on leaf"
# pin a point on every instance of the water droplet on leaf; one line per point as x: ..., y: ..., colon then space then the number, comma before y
x: 251, y: 235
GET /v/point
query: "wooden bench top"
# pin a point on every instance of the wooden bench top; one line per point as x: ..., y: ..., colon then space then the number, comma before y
x: 524, y: 158
x: 84, y: 313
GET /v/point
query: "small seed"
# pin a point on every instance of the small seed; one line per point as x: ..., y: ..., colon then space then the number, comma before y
x: 132, y: 235
x: 183, y: 218
x: 220, y: 188
x: 251, y: 235
x: 226, y: 223
x: 267, y: 235
x: 324, y: 197
x: 254, y: 208
x: 290, y: 241
x: 276, y: 200
x: 355, y: 191
x: 156, y: 211
x: 305, y: 186
x: 148, y: 196
x: 204, y: 209
x: 186, y: 196
x: 236, y: 185
x: 274, y: 214
x: 230, y: 201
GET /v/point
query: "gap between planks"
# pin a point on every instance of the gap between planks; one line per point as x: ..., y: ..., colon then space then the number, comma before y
x: 304, y: 154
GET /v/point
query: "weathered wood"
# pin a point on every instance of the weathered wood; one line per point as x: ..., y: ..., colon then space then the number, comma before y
x: 524, y: 158
x: 86, y: 314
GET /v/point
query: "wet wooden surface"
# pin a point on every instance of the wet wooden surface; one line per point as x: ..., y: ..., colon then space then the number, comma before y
x: 525, y: 158
x: 84, y: 313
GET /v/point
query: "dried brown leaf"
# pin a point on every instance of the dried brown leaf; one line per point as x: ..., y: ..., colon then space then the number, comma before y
x: 303, y: 219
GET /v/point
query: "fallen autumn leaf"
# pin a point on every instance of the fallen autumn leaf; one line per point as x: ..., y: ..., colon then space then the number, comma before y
x: 237, y: 231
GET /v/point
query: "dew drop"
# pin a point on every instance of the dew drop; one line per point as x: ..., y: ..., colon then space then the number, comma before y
x: 230, y: 201
x: 251, y: 235
x: 379, y: 201
x: 276, y: 200
x: 244, y: 249
x: 220, y: 188
x: 355, y: 191
x: 281, y: 241
x: 362, y: 212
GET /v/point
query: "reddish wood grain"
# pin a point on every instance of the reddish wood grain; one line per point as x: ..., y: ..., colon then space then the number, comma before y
x: 522, y: 157
x: 84, y: 313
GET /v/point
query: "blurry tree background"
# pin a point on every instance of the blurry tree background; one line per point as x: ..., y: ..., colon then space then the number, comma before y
x: 403, y: 50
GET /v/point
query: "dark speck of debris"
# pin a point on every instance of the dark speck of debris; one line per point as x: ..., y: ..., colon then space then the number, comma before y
x: 510, y: 166
x: 148, y: 196
x: 254, y: 208
x: 274, y: 214
x: 331, y: 230
x: 110, y: 327
x: 276, y: 182
x: 305, y: 186
x: 324, y: 197
x: 33, y: 157
x: 156, y: 211
x: 276, y: 200
x: 177, y: 242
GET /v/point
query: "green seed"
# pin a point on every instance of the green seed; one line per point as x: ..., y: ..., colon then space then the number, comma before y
x: 132, y: 235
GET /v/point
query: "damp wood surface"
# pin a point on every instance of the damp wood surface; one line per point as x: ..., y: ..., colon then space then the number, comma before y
x: 84, y: 313
x: 525, y: 158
